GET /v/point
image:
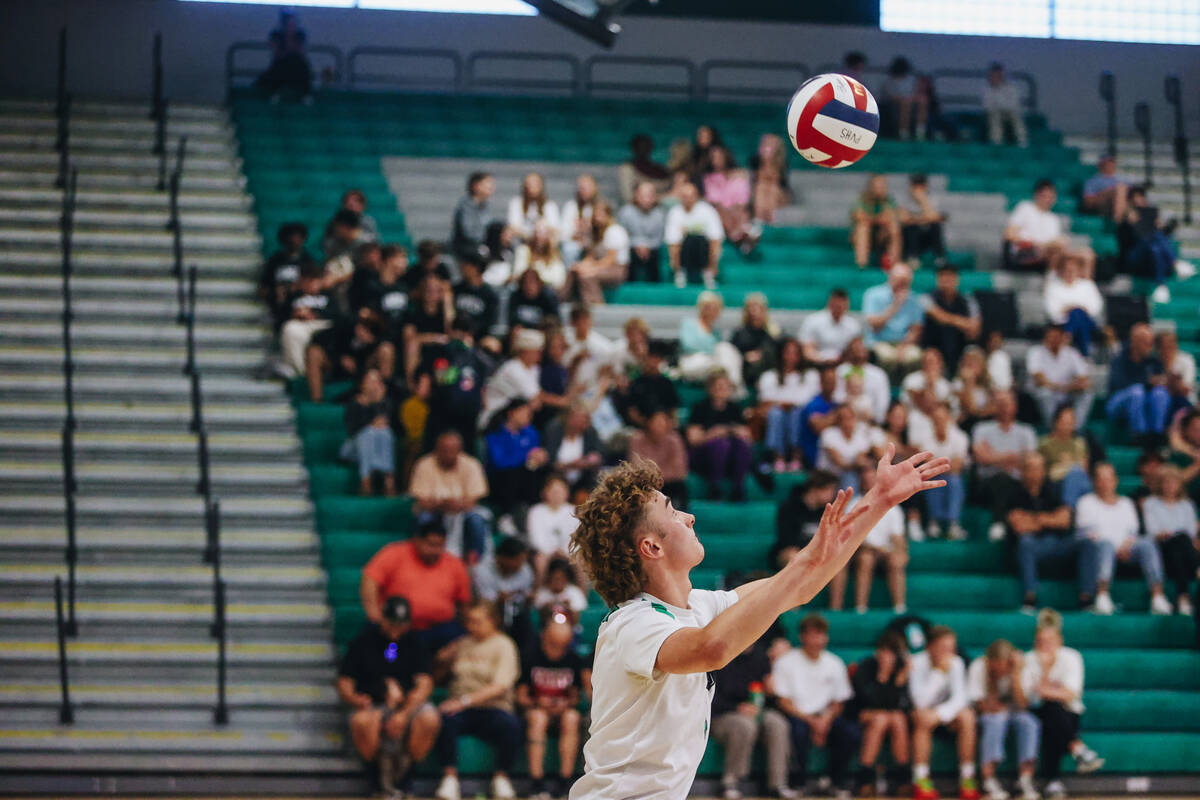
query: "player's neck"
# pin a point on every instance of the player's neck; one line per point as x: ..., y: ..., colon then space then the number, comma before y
x: 672, y: 589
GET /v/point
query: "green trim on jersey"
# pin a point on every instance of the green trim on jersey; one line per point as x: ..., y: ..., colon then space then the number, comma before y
x: 660, y: 608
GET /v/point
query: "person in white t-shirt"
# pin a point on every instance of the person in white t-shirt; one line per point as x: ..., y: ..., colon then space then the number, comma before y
x: 929, y: 380
x: 531, y: 207
x: 826, y: 333
x: 587, y: 350
x: 1111, y: 521
x: 651, y: 693
x: 996, y: 687
x: 945, y: 506
x: 1036, y: 236
x: 785, y: 390
x: 811, y: 685
x: 1073, y: 301
x: 846, y: 447
x: 886, y: 544
x: 937, y: 683
x: 559, y: 593
x: 605, y: 263
x: 1059, y: 374
x: 694, y: 236
x: 1002, y: 103
x: 549, y: 525
x: 876, y: 385
x: 576, y: 218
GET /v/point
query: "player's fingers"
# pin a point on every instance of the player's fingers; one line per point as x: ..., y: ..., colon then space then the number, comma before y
x: 855, y: 513
x: 839, y: 503
x: 935, y: 467
x: 932, y: 485
x: 920, y: 458
x: 888, y: 455
x: 826, y: 516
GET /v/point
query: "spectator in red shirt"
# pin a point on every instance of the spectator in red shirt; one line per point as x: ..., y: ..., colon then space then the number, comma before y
x: 434, y: 581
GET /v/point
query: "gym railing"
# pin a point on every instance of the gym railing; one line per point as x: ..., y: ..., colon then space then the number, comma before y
x: 709, y: 89
x: 66, y: 711
x: 358, y: 72
x: 1180, y: 142
x: 646, y: 76
x: 1141, y: 122
x: 1108, y: 94
x: 70, y: 484
x: 176, y: 229
x: 327, y: 60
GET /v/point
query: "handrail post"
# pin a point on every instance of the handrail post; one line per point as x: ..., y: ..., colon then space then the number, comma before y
x: 67, y: 224
x: 71, y: 552
x: 1175, y: 97
x: 61, y: 92
x: 197, y: 423
x: 190, y: 333
x: 203, y: 486
x: 1108, y: 93
x: 221, y: 712
x: 213, y: 522
x: 1141, y: 121
x: 66, y: 712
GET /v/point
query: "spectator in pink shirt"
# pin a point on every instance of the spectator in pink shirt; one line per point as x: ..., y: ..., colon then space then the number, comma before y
x: 727, y: 189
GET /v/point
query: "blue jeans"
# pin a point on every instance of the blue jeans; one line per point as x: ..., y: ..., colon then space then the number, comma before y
x: 373, y: 449
x: 1143, y: 410
x: 946, y: 504
x: 1049, y: 400
x: 1032, y: 549
x: 1158, y: 249
x: 1081, y: 327
x: 1143, y: 552
x: 475, y: 536
x: 842, y: 742
x: 1075, y: 484
x: 994, y: 729
x: 500, y: 729
x: 783, y: 430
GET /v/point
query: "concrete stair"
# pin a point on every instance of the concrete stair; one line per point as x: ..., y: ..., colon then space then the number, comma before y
x: 143, y: 666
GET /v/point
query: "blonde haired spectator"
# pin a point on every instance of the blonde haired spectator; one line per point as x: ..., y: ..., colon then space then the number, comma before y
x: 576, y: 218
x: 701, y: 346
x: 727, y: 188
x: 541, y: 254
x: 531, y: 207
x: 606, y: 262
x: 996, y: 687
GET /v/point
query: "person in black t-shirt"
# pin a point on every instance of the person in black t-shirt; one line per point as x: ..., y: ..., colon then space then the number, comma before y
x: 551, y: 681
x: 385, y: 679
x: 429, y: 262
x: 477, y: 301
x: 651, y: 391
x: 1041, y: 523
x: 720, y: 439
x: 426, y: 324
x: 532, y: 305
x: 738, y: 718
x: 881, y: 705
x: 451, y: 379
x: 951, y: 318
x: 346, y: 350
x: 383, y: 290
x: 281, y: 272
x: 799, y: 515
x: 309, y: 309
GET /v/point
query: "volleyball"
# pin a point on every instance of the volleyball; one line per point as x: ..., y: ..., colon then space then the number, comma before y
x: 832, y: 120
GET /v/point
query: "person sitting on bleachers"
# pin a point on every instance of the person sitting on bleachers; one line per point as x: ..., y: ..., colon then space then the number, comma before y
x: 1054, y: 687
x: 516, y: 461
x: 661, y: 443
x: 972, y: 387
x: 289, y: 75
x: 345, y: 350
x: 827, y: 333
x: 382, y: 288
x: 996, y: 688
x: 769, y: 179
x: 355, y: 201
x: 451, y: 382
x: 817, y: 416
x: 309, y: 309
x: 855, y: 360
x: 343, y: 237
x: 998, y: 448
x: 846, y: 447
x: 1002, y: 104
x: 426, y: 324
x: 944, y: 506
x: 720, y: 439
x: 1036, y: 239
x: 885, y: 545
x: 1146, y: 247
x: 434, y: 582
x: 1180, y: 367
x: 952, y: 319
x: 588, y: 350
x: 739, y: 720
x: 531, y: 207
x: 1105, y: 194
x: 484, y: 672
x: 533, y: 304
x: 641, y: 168
x: 554, y: 379
x: 1137, y: 390
x: 1058, y: 374
x: 1111, y: 523
x: 431, y: 262
x: 937, y: 684
x: 894, y: 316
x: 605, y: 264
x: 559, y: 592
x: 755, y: 338
x: 785, y: 390
x: 1169, y: 518
x: 1067, y: 456
x: 1041, y: 524
x: 875, y: 224
x: 1074, y: 302
x: 574, y: 446
x: 575, y: 235
x: 548, y: 692
x: 505, y: 579
x: 539, y: 252
x: 282, y: 270
x: 694, y: 236
x: 999, y: 362
x: 811, y: 685
x: 798, y: 516
x: 701, y: 346
x: 703, y: 141
x: 925, y: 388
x: 517, y: 378
x: 476, y: 301
x: 645, y: 220
x: 727, y: 189
x: 550, y: 523
x: 370, y: 442
x: 473, y: 217
x: 881, y: 704
x: 651, y: 390
x: 920, y: 223
x: 899, y: 99
x: 385, y: 678
x: 451, y: 482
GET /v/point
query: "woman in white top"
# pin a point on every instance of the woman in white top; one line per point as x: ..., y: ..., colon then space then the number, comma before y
x: 531, y: 207
x: 1179, y: 365
x: 1170, y: 519
x: 606, y: 262
x: 846, y: 447
x: 885, y: 543
x: 1054, y: 686
x: 576, y: 219
x: 945, y: 505
x: 540, y: 253
x: 1074, y: 302
x: 1111, y: 522
x: 972, y: 388
x: 550, y: 523
x: 785, y: 391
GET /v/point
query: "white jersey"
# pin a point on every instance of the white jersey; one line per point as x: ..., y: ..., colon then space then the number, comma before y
x: 649, y: 728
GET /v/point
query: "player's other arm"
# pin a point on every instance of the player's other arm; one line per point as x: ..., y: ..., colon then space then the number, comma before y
x: 761, y: 602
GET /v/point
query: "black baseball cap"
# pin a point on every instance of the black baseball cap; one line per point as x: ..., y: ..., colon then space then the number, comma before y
x: 396, y: 610
x: 430, y: 522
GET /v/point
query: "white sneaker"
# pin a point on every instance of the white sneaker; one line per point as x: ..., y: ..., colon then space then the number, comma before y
x: 449, y: 789
x: 914, y: 531
x: 1184, y: 607
x: 1103, y: 605
x: 1160, y: 605
x: 1055, y: 789
x: 710, y: 281
x: 1086, y: 761
x: 1184, y: 269
x: 1161, y: 294
x: 732, y: 792
x: 1028, y: 790
x: 787, y: 793
x: 933, y: 530
x: 502, y: 788
x: 956, y: 532
x: 996, y: 532
x: 860, y: 609
x: 993, y: 790
x: 900, y: 609
x: 680, y: 280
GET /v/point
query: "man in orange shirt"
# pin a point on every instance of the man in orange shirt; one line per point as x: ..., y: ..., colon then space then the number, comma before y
x: 434, y: 581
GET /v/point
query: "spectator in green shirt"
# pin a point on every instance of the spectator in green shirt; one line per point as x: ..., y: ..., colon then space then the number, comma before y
x: 876, y: 224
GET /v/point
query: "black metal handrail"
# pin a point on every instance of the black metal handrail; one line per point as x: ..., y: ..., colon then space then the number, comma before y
x: 71, y: 552
x: 158, y: 103
x: 66, y: 711
x: 221, y: 710
x: 176, y: 229
x: 1030, y: 100
x: 687, y: 88
x: 190, y: 323
x: 1175, y: 97
x: 1141, y: 121
x: 325, y: 52
x: 354, y: 77
x: 70, y: 485
x: 62, y: 141
x: 707, y: 88
x: 1108, y: 93
x: 570, y: 85
x: 61, y: 90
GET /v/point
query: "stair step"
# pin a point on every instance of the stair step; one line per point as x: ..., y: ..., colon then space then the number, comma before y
x: 165, y: 613
x: 132, y: 199
x: 257, y: 576
x: 85, y: 286
x: 326, y: 770
x: 101, y: 447
x: 227, y: 479
x: 197, y: 717
x: 162, y: 309
x: 195, y: 242
x: 249, y: 337
x: 140, y: 388
x: 139, y: 415
x: 286, y: 512
x: 30, y: 650
x: 108, y: 263
x: 153, y: 220
x: 79, y: 738
x: 101, y: 178
x: 85, y: 108
x: 49, y: 359
x: 164, y: 694
x: 86, y: 162
x: 93, y: 140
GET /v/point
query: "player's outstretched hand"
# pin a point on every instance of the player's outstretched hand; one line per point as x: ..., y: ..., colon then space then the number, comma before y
x: 837, y: 527
x: 895, y: 483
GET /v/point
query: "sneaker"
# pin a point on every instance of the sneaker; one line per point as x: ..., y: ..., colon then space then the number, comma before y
x: 1086, y: 761
x: 710, y: 281
x: 956, y: 532
x: 996, y: 532
x: 843, y: 794
x: 967, y: 789
x: 933, y: 530
x: 860, y: 609
x: 1160, y: 605
x: 1161, y: 294
x: 923, y: 790
x: 502, y: 788
x: 1028, y: 790
x: 507, y: 525
x: 1184, y: 606
x: 560, y: 787
x: 387, y: 772
x: 914, y: 531
x: 732, y: 792
x: 1055, y: 789
x: 993, y: 789
x: 448, y: 789
x: 1184, y: 269
x: 537, y: 789
x: 786, y: 793
x: 900, y: 609
x: 680, y: 280
x: 1103, y: 605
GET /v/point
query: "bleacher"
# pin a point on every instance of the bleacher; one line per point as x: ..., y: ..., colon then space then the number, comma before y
x: 411, y: 154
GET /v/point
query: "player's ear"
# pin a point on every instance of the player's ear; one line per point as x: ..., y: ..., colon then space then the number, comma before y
x: 648, y: 545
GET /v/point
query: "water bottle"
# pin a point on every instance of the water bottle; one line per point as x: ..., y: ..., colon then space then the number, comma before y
x: 758, y: 696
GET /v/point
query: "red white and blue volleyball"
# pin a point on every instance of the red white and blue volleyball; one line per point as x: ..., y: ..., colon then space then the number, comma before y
x: 832, y: 120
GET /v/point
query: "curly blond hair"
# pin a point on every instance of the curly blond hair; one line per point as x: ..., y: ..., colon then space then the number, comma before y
x: 604, y: 541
